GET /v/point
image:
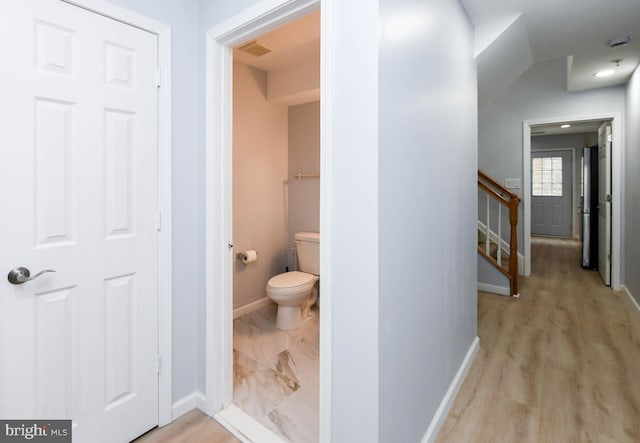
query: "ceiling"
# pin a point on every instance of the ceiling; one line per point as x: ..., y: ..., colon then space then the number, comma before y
x: 576, y: 29
x: 290, y: 44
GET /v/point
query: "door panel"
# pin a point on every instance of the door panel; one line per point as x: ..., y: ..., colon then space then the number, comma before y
x: 556, y: 215
x: 551, y: 214
x: 604, y: 202
x: 53, y: 320
x: 79, y: 157
x: 537, y: 213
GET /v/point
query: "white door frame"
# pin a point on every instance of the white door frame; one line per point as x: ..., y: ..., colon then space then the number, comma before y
x: 163, y: 32
x: 254, y: 21
x: 616, y: 185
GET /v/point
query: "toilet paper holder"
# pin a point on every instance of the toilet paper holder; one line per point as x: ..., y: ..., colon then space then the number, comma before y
x: 247, y: 257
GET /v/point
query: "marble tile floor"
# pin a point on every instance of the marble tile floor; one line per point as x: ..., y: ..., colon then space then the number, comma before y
x: 276, y: 374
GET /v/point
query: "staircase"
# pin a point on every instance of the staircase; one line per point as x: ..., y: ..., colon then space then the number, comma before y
x: 497, y: 206
x: 503, y: 260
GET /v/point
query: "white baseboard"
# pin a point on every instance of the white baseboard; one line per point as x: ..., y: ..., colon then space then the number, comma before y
x: 633, y: 300
x: 501, y: 290
x: 244, y: 427
x: 187, y: 403
x: 454, y: 387
x: 250, y: 307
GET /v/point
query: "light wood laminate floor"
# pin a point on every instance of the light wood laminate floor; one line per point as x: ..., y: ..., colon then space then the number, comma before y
x: 560, y: 364
x: 193, y: 427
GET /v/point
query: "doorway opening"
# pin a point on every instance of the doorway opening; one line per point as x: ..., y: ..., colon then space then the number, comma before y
x: 229, y: 231
x: 571, y: 168
x: 276, y: 217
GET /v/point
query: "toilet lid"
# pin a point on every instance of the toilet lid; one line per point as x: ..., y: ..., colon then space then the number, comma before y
x: 291, y: 279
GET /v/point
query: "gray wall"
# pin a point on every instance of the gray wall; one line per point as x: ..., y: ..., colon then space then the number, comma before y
x: 539, y: 93
x: 428, y: 207
x: 188, y: 186
x: 259, y: 183
x: 631, y: 238
x: 304, y: 156
x: 490, y: 275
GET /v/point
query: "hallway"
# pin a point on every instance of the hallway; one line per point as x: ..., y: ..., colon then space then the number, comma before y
x: 560, y: 364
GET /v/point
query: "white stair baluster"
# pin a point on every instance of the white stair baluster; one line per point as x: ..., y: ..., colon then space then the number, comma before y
x: 487, y: 245
x: 499, y: 241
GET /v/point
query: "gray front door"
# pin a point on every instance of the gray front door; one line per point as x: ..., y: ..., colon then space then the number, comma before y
x: 551, y: 193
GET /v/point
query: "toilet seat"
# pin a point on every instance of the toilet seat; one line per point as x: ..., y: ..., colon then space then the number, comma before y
x: 291, y: 282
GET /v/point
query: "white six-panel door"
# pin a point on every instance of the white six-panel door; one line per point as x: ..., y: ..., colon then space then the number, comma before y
x: 604, y: 202
x: 78, y: 184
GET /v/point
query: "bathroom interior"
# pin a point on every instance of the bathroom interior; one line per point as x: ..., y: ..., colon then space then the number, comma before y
x: 276, y: 200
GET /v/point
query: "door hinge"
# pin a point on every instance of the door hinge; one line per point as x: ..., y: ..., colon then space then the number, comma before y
x: 608, y: 197
x: 159, y: 221
x: 158, y: 77
x: 609, y: 257
x: 159, y: 363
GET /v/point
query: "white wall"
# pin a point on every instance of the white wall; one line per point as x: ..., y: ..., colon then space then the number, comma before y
x: 427, y: 209
x: 351, y: 217
x: 504, y: 59
x: 304, y: 156
x: 539, y: 93
x: 631, y: 277
x: 259, y: 183
x: 188, y: 188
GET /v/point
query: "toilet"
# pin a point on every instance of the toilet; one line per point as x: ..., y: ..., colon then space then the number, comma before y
x: 295, y: 292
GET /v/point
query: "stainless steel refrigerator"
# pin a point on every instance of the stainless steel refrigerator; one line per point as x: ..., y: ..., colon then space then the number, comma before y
x: 589, y: 208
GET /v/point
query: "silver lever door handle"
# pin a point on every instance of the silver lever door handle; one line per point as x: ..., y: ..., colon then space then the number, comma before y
x: 20, y: 275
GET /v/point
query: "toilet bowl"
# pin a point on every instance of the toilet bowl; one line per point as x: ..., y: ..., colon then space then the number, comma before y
x: 294, y: 292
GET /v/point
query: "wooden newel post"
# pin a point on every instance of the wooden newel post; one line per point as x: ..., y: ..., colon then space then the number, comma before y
x: 513, y: 248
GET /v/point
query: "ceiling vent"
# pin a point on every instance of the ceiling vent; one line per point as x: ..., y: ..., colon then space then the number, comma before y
x: 255, y: 48
x: 619, y: 42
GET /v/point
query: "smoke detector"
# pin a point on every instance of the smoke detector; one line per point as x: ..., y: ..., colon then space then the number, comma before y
x: 619, y: 42
x: 255, y: 48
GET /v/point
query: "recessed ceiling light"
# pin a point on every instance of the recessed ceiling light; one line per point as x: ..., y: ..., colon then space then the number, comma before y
x: 565, y: 126
x: 605, y: 73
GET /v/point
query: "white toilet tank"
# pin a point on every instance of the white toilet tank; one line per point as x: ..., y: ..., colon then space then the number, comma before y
x: 308, y: 252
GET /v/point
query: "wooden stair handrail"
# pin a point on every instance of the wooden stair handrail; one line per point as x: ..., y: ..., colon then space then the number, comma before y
x: 495, y: 184
x: 511, y: 201
x: 493, y: 194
